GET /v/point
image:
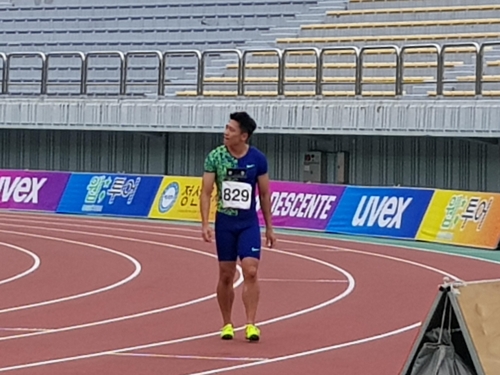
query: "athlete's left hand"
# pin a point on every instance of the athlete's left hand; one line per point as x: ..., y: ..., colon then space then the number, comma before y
x: 270, y: 238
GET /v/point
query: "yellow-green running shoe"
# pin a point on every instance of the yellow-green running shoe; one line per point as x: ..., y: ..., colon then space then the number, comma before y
x: 227, y: 332
x: 252, y: 332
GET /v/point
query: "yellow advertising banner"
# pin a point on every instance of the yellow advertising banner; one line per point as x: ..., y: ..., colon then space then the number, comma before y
x: 178, y: 198
x: 462, y: 218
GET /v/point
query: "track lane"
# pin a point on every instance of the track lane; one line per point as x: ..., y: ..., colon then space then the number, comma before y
x: 121, y: 333
x: 324, y: 251
x: 16, y: 262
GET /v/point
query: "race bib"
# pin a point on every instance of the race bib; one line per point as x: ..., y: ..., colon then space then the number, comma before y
x: 236, y: 195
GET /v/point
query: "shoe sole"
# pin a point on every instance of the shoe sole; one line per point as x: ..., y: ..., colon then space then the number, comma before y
x: 227, y: 337
x: 253, y: 338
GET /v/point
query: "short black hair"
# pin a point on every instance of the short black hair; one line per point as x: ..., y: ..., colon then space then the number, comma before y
x: 247, y: 124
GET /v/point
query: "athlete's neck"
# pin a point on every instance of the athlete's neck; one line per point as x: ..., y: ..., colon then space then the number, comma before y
x: 238, y: 150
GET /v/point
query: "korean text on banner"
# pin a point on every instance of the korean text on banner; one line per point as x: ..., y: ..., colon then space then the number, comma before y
x: 109, y: 194
x: 31, y: 190
x: 178, y: 198
x: 462, y: 218
x: 384, y: 212
x: 302, y: 206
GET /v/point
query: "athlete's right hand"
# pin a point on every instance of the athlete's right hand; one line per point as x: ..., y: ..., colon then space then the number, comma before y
x: 207, y: 233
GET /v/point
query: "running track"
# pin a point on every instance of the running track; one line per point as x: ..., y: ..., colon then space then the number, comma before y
x: 89, y: 295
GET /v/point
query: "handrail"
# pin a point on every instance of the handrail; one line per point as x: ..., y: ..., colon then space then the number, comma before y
x: 282, y: 66
x: 360, y: 66
x: 5, y: 72
x: 322, y: 53
x: 239, y: 56
x: 441, y: 63
x: 118, y: 54
x: 479, y: 64
x: 161, y: 68
x: 199, y: 68
x: 282, y: 55
x: 242, y: 78
x: 6, y: 75
x: 82, y: 57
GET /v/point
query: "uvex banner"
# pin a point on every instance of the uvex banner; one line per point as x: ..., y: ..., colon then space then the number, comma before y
x: 31, y: 190
x: 109, y: 194
x: 302, y: 206
x: 462, y: 218
x: 387, y: 212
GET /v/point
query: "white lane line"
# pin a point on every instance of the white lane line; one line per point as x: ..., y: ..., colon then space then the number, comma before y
x: 36, y: 263
x: 346, y: 344
x: 337, y: 298
x: 377, y: 255
x: 303, y: 280
x: 164, y: 225
x: 23, y: 329
x: 306, y: 245
x: 100, y: 226
x: 311, y: 352
x: 357, y: 342
x: 201, y: 357
x: 237, y: 283
x: 133, y: 275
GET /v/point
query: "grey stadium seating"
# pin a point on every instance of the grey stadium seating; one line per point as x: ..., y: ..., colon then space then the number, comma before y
x: 176, y: 25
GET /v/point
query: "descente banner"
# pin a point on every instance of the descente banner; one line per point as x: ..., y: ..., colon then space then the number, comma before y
x: 300, y: 206
x: 433, y: 215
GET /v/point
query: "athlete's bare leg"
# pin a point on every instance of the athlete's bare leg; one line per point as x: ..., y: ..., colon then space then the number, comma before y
x: 251, y: 288
x: 225, y: 291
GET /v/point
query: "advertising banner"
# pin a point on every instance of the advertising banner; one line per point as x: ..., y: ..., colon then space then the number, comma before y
x: 385, y: 212
x: 178, y: 198
x: 31, y: 190
x: 462, y: 218
x: 301, y: 205
x: 109, y: 194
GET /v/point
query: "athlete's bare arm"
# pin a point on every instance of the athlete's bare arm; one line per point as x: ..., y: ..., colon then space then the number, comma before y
x: 206, y: 193
x: 265, y: 204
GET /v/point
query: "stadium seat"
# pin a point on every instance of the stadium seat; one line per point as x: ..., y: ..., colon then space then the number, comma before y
x: 397, y: 24
x: 366, y: 65
x: 220, y: 93
x: 463, y: 93
x: 385, y: 38
x: 380, y: 80
x: 448, y: 9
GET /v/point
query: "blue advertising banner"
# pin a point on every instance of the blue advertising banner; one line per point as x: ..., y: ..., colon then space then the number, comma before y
x: 385, y: 212
x: 109, y: 194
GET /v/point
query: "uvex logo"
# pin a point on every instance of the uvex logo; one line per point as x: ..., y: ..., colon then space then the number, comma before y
x: 386, y: 212
x: 21, y: 189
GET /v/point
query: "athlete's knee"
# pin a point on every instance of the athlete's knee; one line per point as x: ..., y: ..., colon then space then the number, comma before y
x: 250, y: 271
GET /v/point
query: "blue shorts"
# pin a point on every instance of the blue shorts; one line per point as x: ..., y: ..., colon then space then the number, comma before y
x: 236, y: 237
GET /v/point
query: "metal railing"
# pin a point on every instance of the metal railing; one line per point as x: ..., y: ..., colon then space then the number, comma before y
x: 319, y: 55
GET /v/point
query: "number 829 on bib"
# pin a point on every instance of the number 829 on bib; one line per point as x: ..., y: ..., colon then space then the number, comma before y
x: 236, y: 195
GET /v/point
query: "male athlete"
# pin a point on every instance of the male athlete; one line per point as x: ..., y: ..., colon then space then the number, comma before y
x: 236, y: 168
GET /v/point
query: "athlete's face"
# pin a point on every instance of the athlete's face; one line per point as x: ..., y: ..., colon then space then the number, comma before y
x: 233, y: 134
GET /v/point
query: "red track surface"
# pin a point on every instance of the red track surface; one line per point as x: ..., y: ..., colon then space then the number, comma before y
x: 122, y: 297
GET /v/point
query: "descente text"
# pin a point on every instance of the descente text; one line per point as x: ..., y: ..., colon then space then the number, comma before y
x: 301, y: 205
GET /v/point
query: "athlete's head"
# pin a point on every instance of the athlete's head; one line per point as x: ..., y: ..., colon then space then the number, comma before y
x: 239, y: 128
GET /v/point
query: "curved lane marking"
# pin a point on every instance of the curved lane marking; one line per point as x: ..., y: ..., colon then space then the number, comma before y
x: 237, y: 283
x: 133, y: 275
x: 33, y: 268
x: 337, y: 298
